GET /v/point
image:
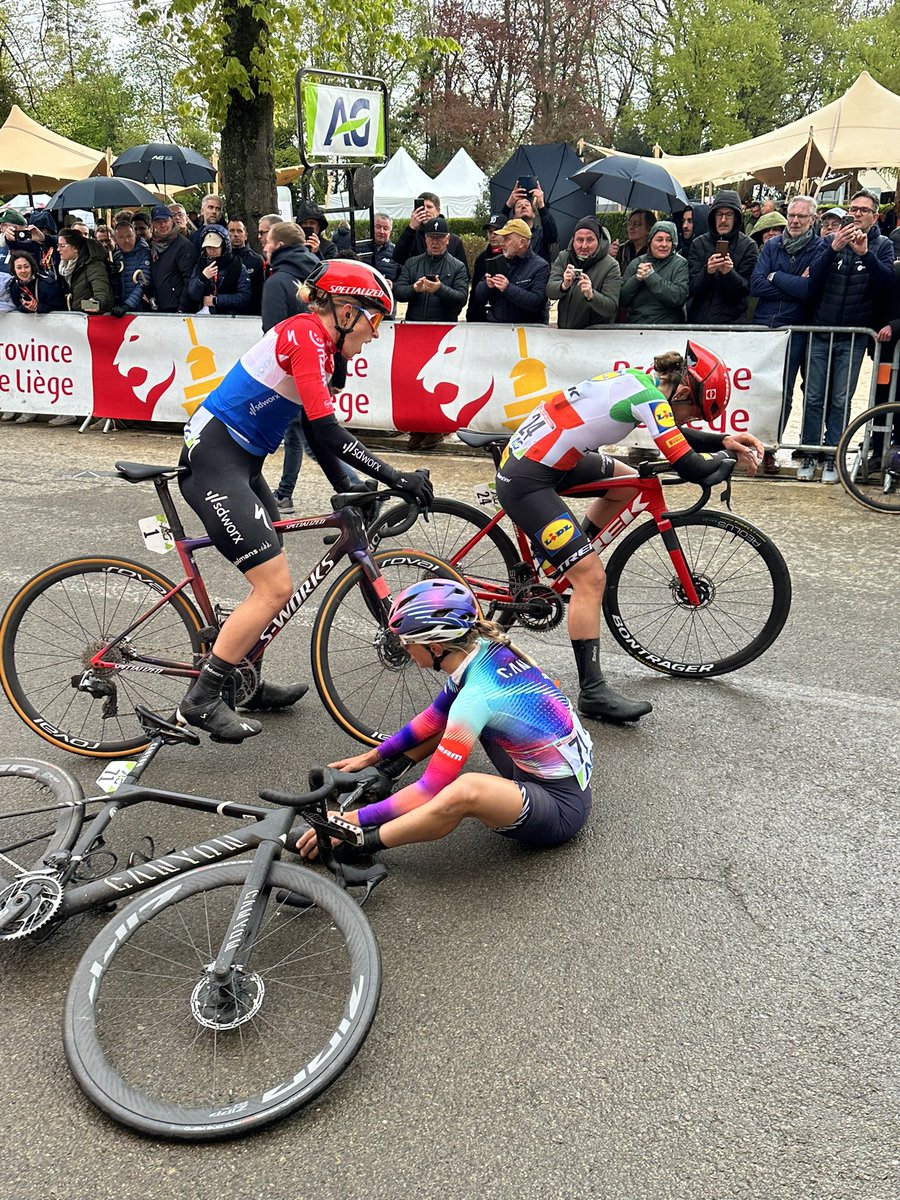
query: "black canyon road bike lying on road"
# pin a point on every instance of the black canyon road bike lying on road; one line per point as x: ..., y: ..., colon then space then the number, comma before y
x: 220, y: 996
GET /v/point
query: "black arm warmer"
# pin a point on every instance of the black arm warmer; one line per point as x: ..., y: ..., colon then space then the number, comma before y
x: 699, y: 439
x: 326, y: 438
x: 697, y: 468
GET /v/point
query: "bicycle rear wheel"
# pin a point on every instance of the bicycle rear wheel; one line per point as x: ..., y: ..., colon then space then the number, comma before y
x: 368, y: 683
x: 148, y: 1045
x: 865, y: 455
x: 451, y: 525
x: 740, y: 576
x: 41, y: 809
x: 61, y: 618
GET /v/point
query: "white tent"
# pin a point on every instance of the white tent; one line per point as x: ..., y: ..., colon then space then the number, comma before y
x: 398, y: 184
x: 460, y: 185
x: 860, y: 129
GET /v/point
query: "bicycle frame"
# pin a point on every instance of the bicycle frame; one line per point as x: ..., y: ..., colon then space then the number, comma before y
x: 649, y: 500
x: 352, y: 543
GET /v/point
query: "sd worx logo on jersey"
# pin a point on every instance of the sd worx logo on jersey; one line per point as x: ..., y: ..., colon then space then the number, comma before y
x: 557, y: 534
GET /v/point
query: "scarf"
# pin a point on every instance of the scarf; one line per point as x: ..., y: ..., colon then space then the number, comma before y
x: 66, y: 268
x: 159, y: 244
x: 793, y: 245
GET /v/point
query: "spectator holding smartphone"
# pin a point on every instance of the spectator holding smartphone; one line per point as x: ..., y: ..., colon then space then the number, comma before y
x: 721, y: 264
x: 526, y: 203
x: 30, y: 290
x: 411, y: 241
x: 586, y: 279
x: 435, y: 286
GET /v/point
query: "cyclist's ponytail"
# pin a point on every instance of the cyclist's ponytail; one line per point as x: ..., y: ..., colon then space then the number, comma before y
x: 670, y: 367
x: 496, y: 633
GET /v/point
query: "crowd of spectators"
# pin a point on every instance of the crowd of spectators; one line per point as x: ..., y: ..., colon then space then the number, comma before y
x: 719, y: 263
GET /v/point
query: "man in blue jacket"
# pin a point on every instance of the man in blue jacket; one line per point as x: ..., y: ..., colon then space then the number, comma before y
x: 849, y: 278
x: 515, y: 290
x: 781, y: 282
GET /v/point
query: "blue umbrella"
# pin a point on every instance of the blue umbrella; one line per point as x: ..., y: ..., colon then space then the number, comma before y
x: 101, y: 191
x: 165, y: 165
x: 633, y: 183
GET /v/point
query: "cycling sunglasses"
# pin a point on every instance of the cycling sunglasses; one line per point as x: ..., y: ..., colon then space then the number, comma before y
x: 374, y: 318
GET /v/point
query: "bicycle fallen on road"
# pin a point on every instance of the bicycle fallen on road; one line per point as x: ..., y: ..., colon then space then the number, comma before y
x: 225, y: 995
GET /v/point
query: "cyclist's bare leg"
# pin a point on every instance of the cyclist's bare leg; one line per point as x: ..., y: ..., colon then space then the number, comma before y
x: 493, y: 801
x: 604, y: 508
x: 270, y: 589
x: 203, y: 706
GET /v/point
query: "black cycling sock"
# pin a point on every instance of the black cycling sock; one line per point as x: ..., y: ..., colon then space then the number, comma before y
x: 587, y: 659
x: 214, y: 674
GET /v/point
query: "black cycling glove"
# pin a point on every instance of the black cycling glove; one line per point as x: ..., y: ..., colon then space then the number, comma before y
x: 416, y: 487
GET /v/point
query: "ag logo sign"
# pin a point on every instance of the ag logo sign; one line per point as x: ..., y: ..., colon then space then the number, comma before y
x: 342, y: 122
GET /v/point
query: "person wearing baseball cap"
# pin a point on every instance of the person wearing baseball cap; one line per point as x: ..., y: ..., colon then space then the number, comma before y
x: 411, y: 241
x: 435, y: 286
x: 476, y: 311
x: 219, y: 283
x: 515, y: 292
x: 172, y: 257
x: 830, y: 221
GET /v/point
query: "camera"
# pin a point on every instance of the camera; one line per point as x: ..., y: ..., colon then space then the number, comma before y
x: 23, y: 235
x: 577, y: 273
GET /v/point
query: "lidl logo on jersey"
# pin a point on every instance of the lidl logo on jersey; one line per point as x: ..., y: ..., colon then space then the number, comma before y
x: 558, y: 533
x: 342, y: 122
x: 662, y: 415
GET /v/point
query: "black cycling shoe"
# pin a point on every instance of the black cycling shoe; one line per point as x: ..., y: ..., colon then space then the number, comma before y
x: 598, y: 701
x: 219, y: 721
x: 269, y: 697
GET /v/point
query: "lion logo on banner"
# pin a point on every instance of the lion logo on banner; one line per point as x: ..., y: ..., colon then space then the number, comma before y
x: 447, y: 366
x: 148, y: 374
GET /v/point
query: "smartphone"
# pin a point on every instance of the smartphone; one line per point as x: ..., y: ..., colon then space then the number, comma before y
x: 722, y: 247
x: 432, y: 278
x: 528, y: 182
x: 419, y: 202
x: 846, y: 221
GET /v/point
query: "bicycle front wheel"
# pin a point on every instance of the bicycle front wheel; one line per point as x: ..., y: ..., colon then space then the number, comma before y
x: 63, y: 617
x: 451, y: 526
x: 41, y: 809
x: 155, y: 1044
x: 368, y: 683
x: 739, y: 575
x: 865, y: 457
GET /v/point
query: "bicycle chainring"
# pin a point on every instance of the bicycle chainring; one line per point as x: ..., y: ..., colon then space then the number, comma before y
x: 245, y: 682
x: 539, y: 608
x: 227, y: 1004
x: 38, y: 895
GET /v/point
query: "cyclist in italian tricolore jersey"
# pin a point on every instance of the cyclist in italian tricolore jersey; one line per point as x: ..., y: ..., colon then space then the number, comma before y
x: 554, y: 449
x: 494, y: 695
x: 226, y: 443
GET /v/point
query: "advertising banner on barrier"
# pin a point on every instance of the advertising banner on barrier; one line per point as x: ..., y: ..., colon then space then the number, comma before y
x: 419, y: 377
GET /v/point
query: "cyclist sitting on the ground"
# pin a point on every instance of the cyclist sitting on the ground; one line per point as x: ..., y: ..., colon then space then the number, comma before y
x: 226, y: 443
x: 553, y: 450
x: 494, y: 695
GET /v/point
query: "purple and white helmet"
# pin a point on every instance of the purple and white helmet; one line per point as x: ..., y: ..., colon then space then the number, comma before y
x: 433, y: 610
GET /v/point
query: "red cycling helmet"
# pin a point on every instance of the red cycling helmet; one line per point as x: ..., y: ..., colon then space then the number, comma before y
x: 709, y: 381
x: 357, y: 280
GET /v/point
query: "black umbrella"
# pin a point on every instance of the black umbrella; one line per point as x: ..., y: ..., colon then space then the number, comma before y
x: 633, y: 182
x: 101, y: 191
x: 552, y: 164
x: 165, y: 165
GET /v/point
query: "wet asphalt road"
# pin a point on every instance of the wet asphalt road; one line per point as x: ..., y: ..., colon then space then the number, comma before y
x: 694, y: 999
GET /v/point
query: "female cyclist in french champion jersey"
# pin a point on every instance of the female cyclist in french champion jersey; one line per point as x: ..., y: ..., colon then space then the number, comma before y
x: 554, y: 449
x: 494, y: 695
x: 226, y: 443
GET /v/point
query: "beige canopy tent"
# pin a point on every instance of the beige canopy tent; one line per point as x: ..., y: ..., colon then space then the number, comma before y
x: 34, y: 159
x: 861, y: 129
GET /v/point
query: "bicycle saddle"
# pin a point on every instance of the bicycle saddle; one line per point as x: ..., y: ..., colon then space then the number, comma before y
x: 471, y: 438
x: 140, y: 472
